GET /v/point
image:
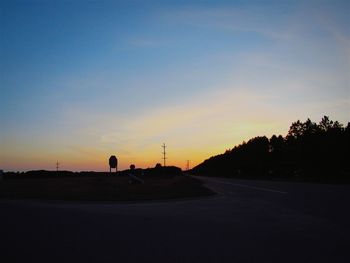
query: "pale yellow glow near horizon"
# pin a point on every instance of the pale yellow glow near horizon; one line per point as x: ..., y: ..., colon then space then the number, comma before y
x: 195, y: 131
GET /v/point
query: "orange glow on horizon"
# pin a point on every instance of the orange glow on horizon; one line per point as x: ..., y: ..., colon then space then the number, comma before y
x: 147, y: 159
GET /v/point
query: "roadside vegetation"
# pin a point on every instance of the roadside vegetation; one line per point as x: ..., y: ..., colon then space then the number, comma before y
x: 309, y: 152
x: 159, y: 184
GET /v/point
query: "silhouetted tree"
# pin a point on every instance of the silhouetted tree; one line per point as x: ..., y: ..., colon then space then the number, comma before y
x: 325, y: 124
x: 309, y: 149
x: 276, y: 144
x: 296, y: 130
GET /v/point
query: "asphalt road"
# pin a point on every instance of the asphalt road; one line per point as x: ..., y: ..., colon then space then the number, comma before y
x: 249, y: 221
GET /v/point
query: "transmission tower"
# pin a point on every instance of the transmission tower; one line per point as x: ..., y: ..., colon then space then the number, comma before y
x: 188, y: 165
x: 164, y: 154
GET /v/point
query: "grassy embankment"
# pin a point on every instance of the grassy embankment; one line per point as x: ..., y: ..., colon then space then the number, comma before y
x: 102, y: 187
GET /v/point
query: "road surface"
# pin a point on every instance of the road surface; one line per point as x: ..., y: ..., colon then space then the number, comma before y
x: 248, y: 221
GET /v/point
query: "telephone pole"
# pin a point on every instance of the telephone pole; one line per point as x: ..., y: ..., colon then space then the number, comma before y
x: 188, y: 165
x: 164, y: 154
x: 57, y: 166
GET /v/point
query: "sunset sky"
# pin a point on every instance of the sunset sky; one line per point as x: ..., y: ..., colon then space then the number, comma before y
x: 82, y: 80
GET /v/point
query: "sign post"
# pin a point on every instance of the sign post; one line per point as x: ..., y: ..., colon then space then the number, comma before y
x: 113, y: 163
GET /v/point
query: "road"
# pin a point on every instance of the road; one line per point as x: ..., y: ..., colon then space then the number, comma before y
x: 248, y: 221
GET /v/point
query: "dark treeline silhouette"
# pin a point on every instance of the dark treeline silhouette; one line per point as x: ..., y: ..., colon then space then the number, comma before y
x: 309, y: 150
x: 50, y: 174
x: 159, y: 171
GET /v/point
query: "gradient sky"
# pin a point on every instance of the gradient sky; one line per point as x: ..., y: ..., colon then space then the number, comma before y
x: 81, y: 80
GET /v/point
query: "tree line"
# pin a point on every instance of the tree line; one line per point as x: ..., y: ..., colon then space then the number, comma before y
x: 309, y: 150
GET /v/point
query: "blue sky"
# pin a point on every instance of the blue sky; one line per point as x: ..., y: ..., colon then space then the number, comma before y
x: 81, y: 80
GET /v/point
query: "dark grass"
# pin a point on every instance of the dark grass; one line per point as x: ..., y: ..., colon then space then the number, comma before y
x: 102, y: 188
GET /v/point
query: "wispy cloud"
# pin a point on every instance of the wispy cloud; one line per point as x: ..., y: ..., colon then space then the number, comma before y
x: 234, y: 19
x: 297, y: 20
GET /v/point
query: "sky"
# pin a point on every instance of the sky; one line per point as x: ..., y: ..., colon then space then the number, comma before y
x: 83, y: 80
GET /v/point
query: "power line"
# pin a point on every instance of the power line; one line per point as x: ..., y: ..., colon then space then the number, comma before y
x: 164, y: 154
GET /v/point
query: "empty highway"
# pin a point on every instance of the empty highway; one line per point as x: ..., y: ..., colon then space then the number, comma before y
x: 248, y: 221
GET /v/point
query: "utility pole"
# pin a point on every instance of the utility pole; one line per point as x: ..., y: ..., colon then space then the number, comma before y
x: 164, y: 154
x: 188, y: 165
x: 57, y: 166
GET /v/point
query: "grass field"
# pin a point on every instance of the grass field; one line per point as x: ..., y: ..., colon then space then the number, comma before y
x: 102, y: 188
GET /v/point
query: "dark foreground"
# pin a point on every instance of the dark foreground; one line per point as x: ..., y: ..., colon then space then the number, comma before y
x: 250, y: 221
x: 102, y: 188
